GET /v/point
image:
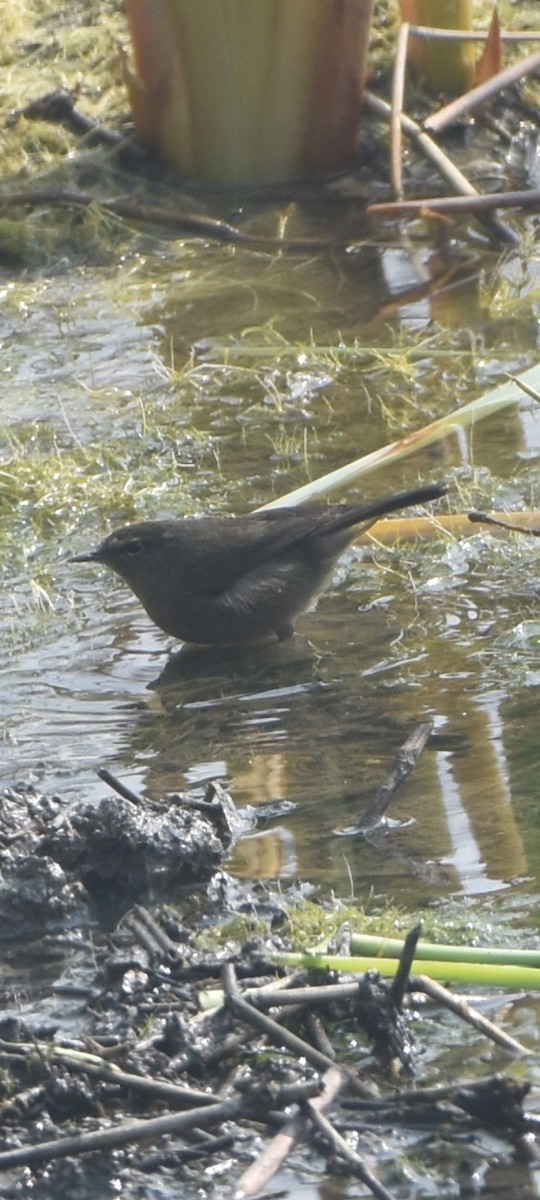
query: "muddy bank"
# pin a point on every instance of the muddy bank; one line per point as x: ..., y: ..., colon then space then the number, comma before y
x: 153, y: 1054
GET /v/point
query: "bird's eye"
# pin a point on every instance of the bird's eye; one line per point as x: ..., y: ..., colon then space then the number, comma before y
x: 134, y: 546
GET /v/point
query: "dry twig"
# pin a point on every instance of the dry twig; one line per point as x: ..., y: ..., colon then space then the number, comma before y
x: 478, y: 95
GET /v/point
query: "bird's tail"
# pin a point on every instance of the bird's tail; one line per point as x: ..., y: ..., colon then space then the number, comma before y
x: 354, y: 515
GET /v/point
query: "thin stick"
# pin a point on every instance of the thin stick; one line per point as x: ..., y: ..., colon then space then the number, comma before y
x: 472, y: 203
x: 117, y: 786
x: 429, y: 33
x: 401, y: 978
x: 275, y: 1033
x: 438, y: 159
x: 154, y: 214
x: 321, y: 994
x: 398, y: 89
x: 91, y: 1064
x: 121, y: 1135
x: 318, y: 1034
x: 281, y: 1037
x: 345, y: 1151
x: 404, y: 762
x: 477, y: 95
x: 485, y: 519
x: 446, y: 168
x: 459, y: 1006
x: 274, y: 1155
x: 154, y: 939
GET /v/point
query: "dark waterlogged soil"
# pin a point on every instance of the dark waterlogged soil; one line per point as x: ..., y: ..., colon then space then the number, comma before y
x: 117, y: 1065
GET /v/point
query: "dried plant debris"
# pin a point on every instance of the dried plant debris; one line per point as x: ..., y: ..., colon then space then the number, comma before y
x: 188, y: 1063
x: 159, y: 1087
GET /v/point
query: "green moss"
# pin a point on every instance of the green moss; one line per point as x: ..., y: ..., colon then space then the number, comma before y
x: 52, y: 490
x: 310, y: 925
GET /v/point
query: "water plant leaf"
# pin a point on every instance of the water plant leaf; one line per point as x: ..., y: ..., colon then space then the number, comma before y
x: 462, y: 418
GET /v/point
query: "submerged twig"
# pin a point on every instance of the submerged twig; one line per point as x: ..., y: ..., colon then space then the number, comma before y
x: 146, y: 213
x: 343, y: 1150
x: 460, y: 1006
x: 169, y: 218
x: 438, y: 159
x: 405, y: 760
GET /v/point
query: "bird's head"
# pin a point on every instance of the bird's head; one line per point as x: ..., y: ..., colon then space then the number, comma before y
x: 134, y: 552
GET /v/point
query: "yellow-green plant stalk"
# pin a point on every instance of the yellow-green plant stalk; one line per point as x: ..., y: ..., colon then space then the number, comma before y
x: 443, y: 66
x: 386, y: 947
x: 244, y: 91
x: 474, y: 974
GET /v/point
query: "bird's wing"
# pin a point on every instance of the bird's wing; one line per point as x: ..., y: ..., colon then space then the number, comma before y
x: 221, y: 550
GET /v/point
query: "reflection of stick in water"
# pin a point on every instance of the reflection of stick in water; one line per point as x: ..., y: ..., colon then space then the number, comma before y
x: 485, y: 519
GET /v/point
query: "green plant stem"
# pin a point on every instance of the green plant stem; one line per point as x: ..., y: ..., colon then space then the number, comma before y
x: 479, y: 975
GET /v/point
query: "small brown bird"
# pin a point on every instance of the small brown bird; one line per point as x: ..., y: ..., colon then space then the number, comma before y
x: 221, y: 580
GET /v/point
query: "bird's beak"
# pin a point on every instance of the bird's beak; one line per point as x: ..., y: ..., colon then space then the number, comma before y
x: 88, y: 556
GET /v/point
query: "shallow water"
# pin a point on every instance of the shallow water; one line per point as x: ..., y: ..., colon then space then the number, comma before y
x: 309, y: 727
